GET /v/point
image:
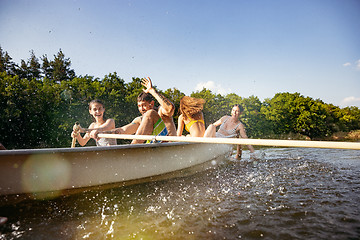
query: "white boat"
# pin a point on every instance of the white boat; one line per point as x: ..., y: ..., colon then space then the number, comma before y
x: 58, y: 170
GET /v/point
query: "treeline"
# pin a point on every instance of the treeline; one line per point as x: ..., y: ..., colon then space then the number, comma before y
x: 41, y: 100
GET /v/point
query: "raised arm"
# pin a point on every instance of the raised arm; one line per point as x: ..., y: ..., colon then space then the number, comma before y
x: 167, y: 108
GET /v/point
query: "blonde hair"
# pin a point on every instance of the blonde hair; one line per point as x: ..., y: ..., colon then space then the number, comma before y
x: 190, y: 107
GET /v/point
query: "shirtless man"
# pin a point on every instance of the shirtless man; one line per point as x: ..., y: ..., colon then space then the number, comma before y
x: 153, y: 121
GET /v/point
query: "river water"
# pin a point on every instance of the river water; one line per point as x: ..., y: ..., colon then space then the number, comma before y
x: 288, y: 193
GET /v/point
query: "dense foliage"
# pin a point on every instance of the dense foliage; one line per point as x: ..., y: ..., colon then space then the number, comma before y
x: 42, y: 99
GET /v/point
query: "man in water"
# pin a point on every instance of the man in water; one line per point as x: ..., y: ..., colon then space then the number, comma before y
x: 153, y: 121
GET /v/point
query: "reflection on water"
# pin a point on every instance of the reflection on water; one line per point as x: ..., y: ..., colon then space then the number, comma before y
x: 286, y: 194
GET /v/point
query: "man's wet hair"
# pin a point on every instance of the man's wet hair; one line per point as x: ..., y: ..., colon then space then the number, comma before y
x: 145, y: 97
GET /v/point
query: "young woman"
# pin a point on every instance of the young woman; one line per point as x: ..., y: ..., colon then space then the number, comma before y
x: 230, y: 126
x: 191, y: 116
x: 97, y: 111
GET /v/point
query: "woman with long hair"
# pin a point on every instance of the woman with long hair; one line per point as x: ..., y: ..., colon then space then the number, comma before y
x: 191, y: 116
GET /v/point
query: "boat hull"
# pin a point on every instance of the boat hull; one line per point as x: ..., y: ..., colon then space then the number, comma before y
x: 48, y: 170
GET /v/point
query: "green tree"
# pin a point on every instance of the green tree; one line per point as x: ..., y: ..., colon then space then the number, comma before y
x: 281, y: 112
x: 61, y: 68
x: 293, y: 113
x: 233, y: 99
x: 208, y: 96
x: 349, y: 117
x: 22, y: 72
x: 31, y: 68
x: 253, y: 118
x: 174, y: 95
x: 312, y: 119
x: 133, y: 89
x: 115, y: 97
x: 34, y: 66
x: 25, y: 123
x: 6, y: 63
x: 46, y: 68
x: 41, y: 102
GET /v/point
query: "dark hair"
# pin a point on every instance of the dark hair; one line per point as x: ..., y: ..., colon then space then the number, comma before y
x: 99, y: 102
x: 95, y: 101
x: 241, y: 108
x: 145, y: 97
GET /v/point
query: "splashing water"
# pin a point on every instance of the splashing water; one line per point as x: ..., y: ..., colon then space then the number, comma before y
x: 285, y: 194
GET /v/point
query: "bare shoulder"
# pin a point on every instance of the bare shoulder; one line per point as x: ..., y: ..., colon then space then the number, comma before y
x: 137, y: 120
x: 110, y: 121
x: 220, y: 121
x: 241, y: 126
x: 164, y: 112
x: 152, y: 113
x: 223, y: 118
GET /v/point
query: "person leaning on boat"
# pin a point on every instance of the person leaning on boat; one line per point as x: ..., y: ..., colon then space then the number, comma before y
x: 191, y: 116
x: 230, y: 126
x: 97, y: 112
x: 153, y: 120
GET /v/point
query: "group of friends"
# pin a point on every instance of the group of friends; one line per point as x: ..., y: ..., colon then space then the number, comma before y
x: 159, y: 120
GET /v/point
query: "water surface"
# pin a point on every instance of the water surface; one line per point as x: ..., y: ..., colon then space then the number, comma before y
x: 288, y: 193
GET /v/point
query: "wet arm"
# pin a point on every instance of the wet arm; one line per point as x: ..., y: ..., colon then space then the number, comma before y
x: 107, y: 126
x: 243, y: 135
x: 130, y: 128
x: 211, y: 129
x: 167, y: 108
x: 180, y: 125
x: 82, y: 140
x: 220, y: 121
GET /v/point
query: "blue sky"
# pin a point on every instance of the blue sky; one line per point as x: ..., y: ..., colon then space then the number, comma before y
x: 247, y: 47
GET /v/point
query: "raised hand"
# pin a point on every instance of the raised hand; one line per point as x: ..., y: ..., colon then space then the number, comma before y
x: 76, y: 130
x: 146, y: 82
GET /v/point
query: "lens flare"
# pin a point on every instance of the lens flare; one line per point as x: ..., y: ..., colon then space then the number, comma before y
x: 44, y: 176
